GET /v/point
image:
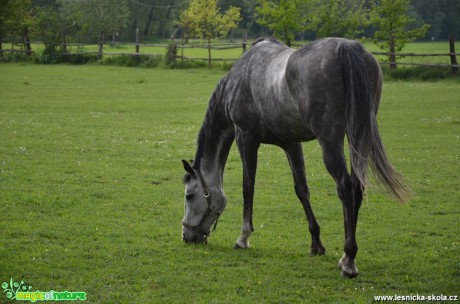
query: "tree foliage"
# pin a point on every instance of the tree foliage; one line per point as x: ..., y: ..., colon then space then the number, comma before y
x: 16, y: 18
x: 102, y: 16
x: 55, y: 22
x: 394, y: 25
x: 203, y: 19
x: 338, y: 18
x: 391, y: 23
x: 284, y: 18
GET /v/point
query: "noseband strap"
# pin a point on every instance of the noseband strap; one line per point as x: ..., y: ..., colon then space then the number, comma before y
x: 211, y: 209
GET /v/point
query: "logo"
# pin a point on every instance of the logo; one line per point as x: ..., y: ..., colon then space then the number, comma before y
x: 21, y: 291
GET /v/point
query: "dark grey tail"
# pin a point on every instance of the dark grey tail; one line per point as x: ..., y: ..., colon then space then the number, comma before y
x: 366, y: 146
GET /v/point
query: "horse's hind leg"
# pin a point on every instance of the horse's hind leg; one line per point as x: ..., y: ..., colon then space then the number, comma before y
x: 295, y: 156
x: 334, y: 160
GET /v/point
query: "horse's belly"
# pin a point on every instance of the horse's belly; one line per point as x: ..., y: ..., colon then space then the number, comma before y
x: 282, y: 120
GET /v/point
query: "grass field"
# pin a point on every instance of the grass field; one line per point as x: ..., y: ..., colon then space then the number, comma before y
x: 91, y: 197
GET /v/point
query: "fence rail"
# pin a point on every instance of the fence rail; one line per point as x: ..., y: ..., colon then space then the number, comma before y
x: 224, y: 46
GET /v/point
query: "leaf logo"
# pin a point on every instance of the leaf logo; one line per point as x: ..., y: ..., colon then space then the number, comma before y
x: 10, y: 289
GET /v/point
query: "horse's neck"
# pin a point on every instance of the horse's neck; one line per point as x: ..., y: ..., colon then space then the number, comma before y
x: 214, y: 143
x: 213, y: 155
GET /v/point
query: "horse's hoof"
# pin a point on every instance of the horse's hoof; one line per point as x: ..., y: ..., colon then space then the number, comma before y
x: 236, y: 246
x: 240, y: 246
x: 317, y: 250
x: 349, y: 271
x: 349, y: 275
x: 241, y: 243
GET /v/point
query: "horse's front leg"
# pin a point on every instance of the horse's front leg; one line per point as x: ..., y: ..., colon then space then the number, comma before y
x: 248, y: 145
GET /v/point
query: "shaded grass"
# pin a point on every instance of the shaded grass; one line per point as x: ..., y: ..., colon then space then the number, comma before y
x: 91, y: 195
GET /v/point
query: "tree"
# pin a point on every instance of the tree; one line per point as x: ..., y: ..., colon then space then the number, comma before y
x: 55, y: 21
x: 100, y: 17
x: 338, y: 18
x: 442, y: 15
x: 203, y: 19
x: 17, y: 19
x: 394, y: 26
x: 284, y: 17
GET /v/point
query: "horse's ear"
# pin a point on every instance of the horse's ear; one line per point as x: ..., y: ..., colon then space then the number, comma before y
x: 188, y: 168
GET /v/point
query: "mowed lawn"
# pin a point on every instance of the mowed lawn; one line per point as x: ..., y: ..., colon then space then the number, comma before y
x: 91, y: 197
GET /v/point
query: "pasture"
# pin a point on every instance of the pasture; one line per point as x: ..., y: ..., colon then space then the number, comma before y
x: 91, y: 196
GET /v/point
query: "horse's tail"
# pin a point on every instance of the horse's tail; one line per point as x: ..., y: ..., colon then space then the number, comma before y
x: 361, y: 105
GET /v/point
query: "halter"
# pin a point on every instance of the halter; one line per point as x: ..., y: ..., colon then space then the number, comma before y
x: 211, y: 209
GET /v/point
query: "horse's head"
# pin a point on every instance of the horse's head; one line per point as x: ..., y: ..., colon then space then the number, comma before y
x: 203, y: 206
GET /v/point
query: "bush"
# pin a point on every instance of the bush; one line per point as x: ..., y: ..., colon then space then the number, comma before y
x: 17, y: 57
x: 188, y: 64
x: 419, y: 73
x: 227, y: 66
x: 146, y: 61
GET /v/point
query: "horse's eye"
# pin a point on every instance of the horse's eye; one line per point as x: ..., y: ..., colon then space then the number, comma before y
x: 189, y: 196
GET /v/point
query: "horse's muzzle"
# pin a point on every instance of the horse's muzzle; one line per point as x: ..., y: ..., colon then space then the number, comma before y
x: 196, y: 238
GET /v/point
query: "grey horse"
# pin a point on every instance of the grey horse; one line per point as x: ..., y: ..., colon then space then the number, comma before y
x: 281, y: 96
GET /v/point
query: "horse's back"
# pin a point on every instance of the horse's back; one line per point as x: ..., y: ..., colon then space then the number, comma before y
x: 291, y: 94
x: 255, y: 93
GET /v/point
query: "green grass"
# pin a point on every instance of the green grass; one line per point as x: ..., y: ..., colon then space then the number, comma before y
x: 91, y: 195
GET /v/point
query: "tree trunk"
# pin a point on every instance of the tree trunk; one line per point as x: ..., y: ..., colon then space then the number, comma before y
x: 148, y: 24
x: 101, y: 45
x: 137, y: 41
x: 27, y: 43
x: 64, y: 42
x: 392, y: 54
x: 287, y: 40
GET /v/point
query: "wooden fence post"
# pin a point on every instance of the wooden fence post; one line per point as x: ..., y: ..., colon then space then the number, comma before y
x: 182, y: 52
x: 209, y: 53
x: 137, y: 41
x: 245, y: 34
x: 453, y: 57
x: 101, y: 45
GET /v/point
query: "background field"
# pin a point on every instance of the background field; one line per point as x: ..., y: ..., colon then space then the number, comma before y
x: 91, y: 195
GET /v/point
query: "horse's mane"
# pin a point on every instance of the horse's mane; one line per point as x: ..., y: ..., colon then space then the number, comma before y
x: 212, y: 117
